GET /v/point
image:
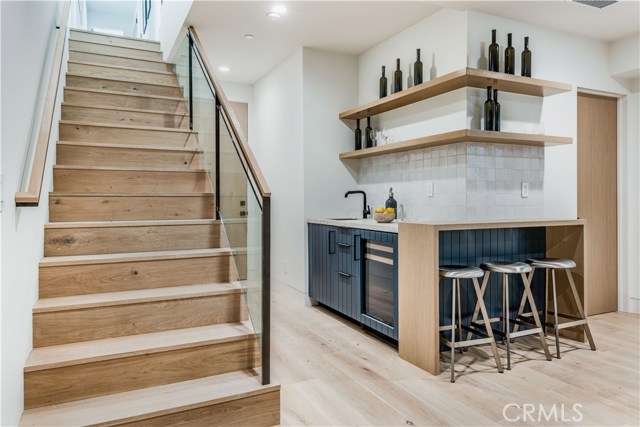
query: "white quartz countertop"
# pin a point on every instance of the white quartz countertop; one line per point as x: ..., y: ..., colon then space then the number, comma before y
x: 364, y: 224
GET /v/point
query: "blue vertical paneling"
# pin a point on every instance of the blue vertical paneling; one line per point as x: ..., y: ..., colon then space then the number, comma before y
x: 472, y: 247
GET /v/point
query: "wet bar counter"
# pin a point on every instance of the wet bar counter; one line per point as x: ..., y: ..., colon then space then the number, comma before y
x: 423, y: 299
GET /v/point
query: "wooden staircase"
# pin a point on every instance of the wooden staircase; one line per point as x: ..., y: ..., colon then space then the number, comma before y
x: 140, y: 321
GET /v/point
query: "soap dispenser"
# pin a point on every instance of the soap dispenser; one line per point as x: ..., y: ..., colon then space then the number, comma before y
x: 391, y: 203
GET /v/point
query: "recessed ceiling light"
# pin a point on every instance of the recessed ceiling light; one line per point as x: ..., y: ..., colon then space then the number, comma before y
x: 249, y: 36
x: 273, y: 15
x: 279, y: 9
x: 223, y: 69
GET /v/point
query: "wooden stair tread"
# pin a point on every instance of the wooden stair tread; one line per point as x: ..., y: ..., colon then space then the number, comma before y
x: 140, y: 223
x: 98, y: 33
x: 77, y: 302
x: 120, y: 126
x: 73, y: 194
x: 151, y: 402
x: 136, y: 147
x: 123, y: 93
x: 119, y: 67
x: 57, y: 356
x: 96, y: 42
x: 127, y: 168
x: 115, y: 79
x: 132, y: 256
x: 122, y: 109
x: 119, y: 56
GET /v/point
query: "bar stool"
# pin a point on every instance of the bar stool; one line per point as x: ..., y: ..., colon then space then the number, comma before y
x: 507, y: 268
x: 457, y: 272
x: 554, y: 264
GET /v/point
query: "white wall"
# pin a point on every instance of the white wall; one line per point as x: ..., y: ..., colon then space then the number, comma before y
x: 625, y: 57
x: 442, y: 40
x: 28, y: 35
x: 629, y: 202
x: 172, y: 16
x: 122, y: 24
x: 587, y: 68
x: 277, y: 145
x: 153, y: 24
x: 78, y: 14
x: 330, y: 85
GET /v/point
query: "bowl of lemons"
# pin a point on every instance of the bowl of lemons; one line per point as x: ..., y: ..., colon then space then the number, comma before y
x: 384, y: 214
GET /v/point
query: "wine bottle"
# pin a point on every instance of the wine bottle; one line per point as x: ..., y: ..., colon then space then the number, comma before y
x: 391, y: 203
x: 397, y: 77
x: 509, y: 57
x: 358, y: 135
x: 367, y: 134
x: 417, y: 70
x: 496, y: 111
x: 494, y: 54
x: 489, y: 108
x: 383, y: 84
x: 526, y: 59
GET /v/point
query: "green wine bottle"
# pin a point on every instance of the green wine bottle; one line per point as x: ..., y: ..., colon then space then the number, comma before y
x: 496, y: 111
x: 489, y: 108
x: 397, y: 77
x: 383, y: 84
x: 526, y: 59
x: 358, y: 135
x: 367, y: 134
x: 417, y: 70
x: 509, y: 57
x: 494, y: 54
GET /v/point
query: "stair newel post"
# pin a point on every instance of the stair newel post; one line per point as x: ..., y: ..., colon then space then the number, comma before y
x: 266, y: 290
x: 217, y: 120
x: 190, y: 80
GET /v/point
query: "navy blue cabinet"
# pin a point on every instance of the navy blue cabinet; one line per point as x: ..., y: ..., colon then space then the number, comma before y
x: 342, y: 262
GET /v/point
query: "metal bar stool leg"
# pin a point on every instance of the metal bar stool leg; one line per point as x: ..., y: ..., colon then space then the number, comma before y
x: 536, y: 318
x: 556, y: 325
x: 476, y: 310
x: 546, y: 296
x: 505, y: 320
x: 453, y: 329
x: 459, y: 316
x: 576, y: 298
x: 523, y: 304
x: 487, y: 324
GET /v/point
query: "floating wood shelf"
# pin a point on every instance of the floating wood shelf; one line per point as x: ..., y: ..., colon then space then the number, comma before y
x: 464, y: 135
x: 467, y: 77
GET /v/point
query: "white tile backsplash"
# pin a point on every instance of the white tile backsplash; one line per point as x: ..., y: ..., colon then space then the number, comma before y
x: 470, y: 181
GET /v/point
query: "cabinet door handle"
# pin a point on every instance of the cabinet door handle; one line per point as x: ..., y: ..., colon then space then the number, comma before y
x: 331, y: 248
x: 344, y: 245
x: 344, y: 274
x: 356, y: 246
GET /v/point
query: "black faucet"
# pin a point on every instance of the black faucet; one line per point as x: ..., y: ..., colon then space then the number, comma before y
x: 365, y: 209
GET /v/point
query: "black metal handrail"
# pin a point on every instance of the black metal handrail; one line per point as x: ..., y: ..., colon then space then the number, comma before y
x: 254, y: 177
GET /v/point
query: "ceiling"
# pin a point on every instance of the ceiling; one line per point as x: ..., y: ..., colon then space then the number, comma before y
x: 613, y: 22
x: 341, y: 26
x: 356, y: 26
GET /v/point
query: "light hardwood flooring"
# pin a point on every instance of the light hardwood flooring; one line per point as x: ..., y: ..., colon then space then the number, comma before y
x: 332, y: 373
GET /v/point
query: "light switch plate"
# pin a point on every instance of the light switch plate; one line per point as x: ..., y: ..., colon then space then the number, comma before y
x: 525, y: 189
x: 429, y: 189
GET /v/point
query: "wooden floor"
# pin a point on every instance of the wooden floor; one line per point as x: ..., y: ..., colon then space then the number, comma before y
x: 332, y: 373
